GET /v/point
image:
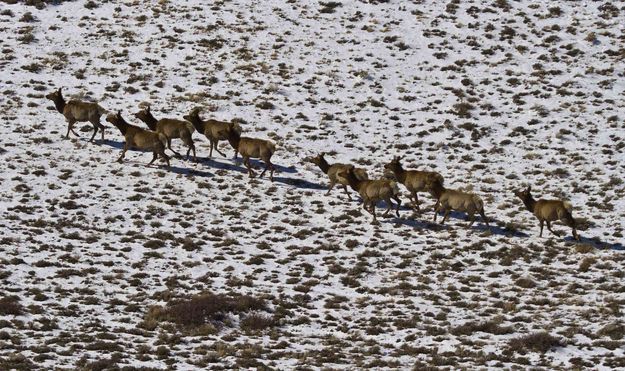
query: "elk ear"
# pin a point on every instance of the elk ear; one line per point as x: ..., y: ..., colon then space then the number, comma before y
x: 147, y: 108
x: 529, y: 188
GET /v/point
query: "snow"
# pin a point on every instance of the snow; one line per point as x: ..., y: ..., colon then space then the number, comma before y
x: 338, y: 86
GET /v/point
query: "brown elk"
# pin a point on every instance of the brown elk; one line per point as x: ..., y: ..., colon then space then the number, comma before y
x: 251, y: 148
x: 334, y: 170
x: 136, y: 137
x: 213, y: 130
x: 414, y: 180
x: 372, y: 191
x: 78, y: 111
x: 548, y: 211
x: 451, y: 199
x: 171, y: 128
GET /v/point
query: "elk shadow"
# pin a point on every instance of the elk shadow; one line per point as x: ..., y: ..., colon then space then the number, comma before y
x: 188, y: 172
x: 597, y: 243
x: 237, y: 165
x: 114, y: 144
x: 497, y: 230
x: 258, y: 166
x: 299, y: 183
x: 420, y: 224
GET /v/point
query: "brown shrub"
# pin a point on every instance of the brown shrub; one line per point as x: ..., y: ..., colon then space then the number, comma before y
x: 256, y: 322
x: 204, y: 309
x: 614, y: 330
x: 491, y: 326
x: 536, y: 342
x: 10, y: 305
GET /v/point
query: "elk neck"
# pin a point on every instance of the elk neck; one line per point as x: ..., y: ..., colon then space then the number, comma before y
x: 59, y: 103
x: 323, y: 165
x: 529, y: 203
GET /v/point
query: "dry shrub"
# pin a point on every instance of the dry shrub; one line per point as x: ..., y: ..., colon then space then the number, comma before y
x: 491, y: 326
x: 203, y: 309
x: 614, y: 330
x: 525, y: 282
x: 256, y: 322
x: 10, y: 305
x: 536, y: 342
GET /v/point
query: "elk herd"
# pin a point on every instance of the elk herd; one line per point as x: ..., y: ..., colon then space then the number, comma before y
x: 160, y: 132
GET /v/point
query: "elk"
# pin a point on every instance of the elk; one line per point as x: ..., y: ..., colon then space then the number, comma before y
x: 171, y: 128
x: 414, y: 180
x: 333, y: 171
x: 78, y: 111
x: 451, y: 199
x: 251, y: 148
x: 139, y: 138
x: 213, y: 130
x: 372, y: 191
x: 548, y: 211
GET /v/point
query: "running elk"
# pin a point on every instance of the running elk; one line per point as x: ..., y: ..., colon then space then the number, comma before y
x: 451, y: 199
x: 171, y: 128
x: 136, y: 137
x: 414, y: 180
x: 213, y: 130
x: 251, y: 148
x: 334, y: 172
x: 548, y: 211
x: 78, y: 111
x: 372, y: 191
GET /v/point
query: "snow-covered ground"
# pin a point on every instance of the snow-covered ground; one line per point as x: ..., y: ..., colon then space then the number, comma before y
x: 493, y: 95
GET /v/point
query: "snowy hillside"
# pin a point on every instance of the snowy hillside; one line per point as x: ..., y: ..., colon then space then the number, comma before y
x: 121, y: 266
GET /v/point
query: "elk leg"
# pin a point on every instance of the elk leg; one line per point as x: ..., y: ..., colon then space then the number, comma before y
x: 154, y: 157
x: 210, y: 152
x: 246, y: 162
x: 484, y: 218
x: 416, y: 202
x: 436, y: 211
x: 101, y: 130
x: 271, y: 169
x: 217, y: 149
x: 375, y: 220
x: 95, y: 131
x: 471, y: 219
x: 265, y: 169
x: 551, y: 230
x: 70, y: 124
x: 445, y: 216
x: 542, y: 222
x: 575, y: 235
x: 191, y: 147
x: 171, y: 149
x: 121, y: 158
x: 164, y: 156
x: 389, y: 206
x: 97, y: 125
x: 398, y: 205
x: 569, y: 221
x: 346, y: 192
x: 330, y: 187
